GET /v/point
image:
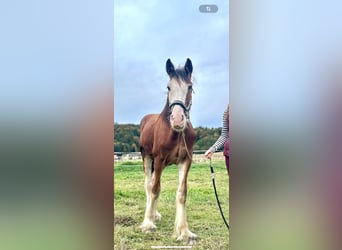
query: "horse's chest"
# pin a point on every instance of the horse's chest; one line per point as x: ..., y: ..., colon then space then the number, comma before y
x: 174, y: 152
x: 179, y: 152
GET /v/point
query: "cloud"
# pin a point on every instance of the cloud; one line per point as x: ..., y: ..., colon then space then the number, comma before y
x: 146, y: 34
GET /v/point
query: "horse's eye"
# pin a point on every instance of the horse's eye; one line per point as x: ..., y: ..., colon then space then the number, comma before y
x: 168, y: 88
x: 190, y: 87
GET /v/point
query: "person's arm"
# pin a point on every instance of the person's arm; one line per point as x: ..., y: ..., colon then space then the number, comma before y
x: 222, y: 139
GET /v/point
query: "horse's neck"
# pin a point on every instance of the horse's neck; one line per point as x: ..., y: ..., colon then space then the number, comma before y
x: 165, y: 112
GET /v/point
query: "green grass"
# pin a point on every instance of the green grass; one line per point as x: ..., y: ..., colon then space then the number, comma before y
x: 203, y: 215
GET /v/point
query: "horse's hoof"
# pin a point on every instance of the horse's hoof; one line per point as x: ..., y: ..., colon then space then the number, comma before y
x: 187, y: 237
x: 148, y: 227
x: 158, y: 216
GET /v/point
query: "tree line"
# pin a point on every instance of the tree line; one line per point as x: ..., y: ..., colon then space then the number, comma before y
x: 126, y: 137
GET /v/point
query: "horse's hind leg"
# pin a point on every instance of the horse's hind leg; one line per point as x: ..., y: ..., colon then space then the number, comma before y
x: 181, y: 231
x: 151, y: 213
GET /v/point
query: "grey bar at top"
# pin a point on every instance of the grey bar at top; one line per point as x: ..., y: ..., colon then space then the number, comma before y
x: 208, y: 8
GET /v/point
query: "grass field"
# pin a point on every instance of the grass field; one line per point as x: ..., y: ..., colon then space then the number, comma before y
x: 203, y: 215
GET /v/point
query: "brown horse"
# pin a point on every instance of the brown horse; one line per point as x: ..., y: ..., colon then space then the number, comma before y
x: 168, y: 138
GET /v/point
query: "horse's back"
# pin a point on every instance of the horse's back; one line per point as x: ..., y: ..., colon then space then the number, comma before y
x: 148, y: 120
x: 147, y: 125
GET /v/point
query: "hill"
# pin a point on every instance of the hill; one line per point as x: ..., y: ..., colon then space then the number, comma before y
x: 126, y: 137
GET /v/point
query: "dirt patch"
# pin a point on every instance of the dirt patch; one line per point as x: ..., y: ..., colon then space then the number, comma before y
x: 124, y: 221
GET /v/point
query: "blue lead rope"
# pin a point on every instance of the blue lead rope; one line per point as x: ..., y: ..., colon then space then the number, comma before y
x: 217, y: 199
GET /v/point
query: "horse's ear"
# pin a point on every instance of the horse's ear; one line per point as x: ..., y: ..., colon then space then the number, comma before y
x: 188, y: 67
x: 170, y: 69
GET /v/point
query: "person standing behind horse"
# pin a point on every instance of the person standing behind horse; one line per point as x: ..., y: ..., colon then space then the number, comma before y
x: 222, y: 141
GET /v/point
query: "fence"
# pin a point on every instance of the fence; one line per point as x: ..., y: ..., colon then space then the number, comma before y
x: 197, y: 157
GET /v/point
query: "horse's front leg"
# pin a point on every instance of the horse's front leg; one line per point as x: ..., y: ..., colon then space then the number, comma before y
x: 152, y: 189
x: 181, y: 230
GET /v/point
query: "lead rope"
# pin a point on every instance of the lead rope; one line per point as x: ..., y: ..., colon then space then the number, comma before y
x: 186, y: 147
x: 213, y: 179
x: 217, y: 199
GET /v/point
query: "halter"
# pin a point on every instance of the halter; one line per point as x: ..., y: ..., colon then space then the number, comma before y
x: 182, y: 104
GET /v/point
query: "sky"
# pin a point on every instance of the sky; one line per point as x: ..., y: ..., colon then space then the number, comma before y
x: 50, y: 54
x: 146, y: 34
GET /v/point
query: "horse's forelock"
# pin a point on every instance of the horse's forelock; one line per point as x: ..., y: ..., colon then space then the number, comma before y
x: 180, y: 74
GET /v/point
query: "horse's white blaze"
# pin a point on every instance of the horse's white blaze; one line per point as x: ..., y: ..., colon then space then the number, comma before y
x: 178, y: 92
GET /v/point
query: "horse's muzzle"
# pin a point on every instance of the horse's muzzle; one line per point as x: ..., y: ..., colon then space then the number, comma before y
x: 178, y: 118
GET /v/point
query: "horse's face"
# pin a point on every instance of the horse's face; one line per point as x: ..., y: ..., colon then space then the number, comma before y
x: 179, y: 94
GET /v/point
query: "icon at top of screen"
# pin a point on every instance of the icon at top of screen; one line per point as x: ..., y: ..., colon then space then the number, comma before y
x: 208, y: 8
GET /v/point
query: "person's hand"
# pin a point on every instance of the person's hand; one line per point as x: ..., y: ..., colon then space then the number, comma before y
x: 209, y: 154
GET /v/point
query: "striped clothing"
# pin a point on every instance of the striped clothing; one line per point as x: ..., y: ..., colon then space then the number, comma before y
x: 224, y: 134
